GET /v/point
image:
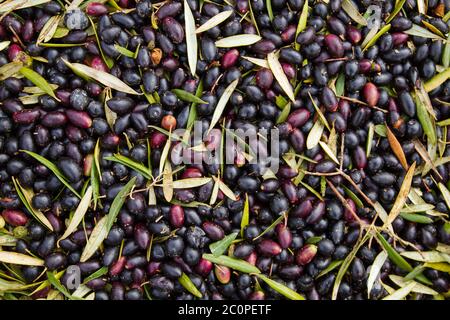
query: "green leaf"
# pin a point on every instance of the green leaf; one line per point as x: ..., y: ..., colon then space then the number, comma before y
x: 426, y: 256
x: 102, y: 228
x: 373, y: 40
x: 26, y: 196
x: 446, y: 53
x: 437, y: 80
x: 139, y: 167
x: 238, y: 41
x: 425, y: 120
x: 333, y: 265
x: 193, y: 110
x: 58, y: 286
x: 398, y: 7
x: 245, y: 215
x: 187, y: 96
x: 284, y: 114
x: 187, y: 283
x: 97, y: 274
x: 314, y: 240
x: 104, y: 78
x: 402, y: 292
x: 269, y: 9
x: 38, y: 81
x: 281, y: 288
x: 314, y: 192
x: 20, y: 259
x: 191, y: 38
x: 222, y: 103
x: 79, y: 214
x: 53, y: 168
x: 124, y: 51
x: 219, y: 247
x: 108, y: 61
x: 394, y: 255
x: 340, y: 84
x: 418, y: 218
x: 273, y: 225
x: 301, y: 23
x: 236, y: 264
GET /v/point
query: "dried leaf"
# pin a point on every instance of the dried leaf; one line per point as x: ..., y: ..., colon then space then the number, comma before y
x: 417, y: 208
x: 369, y: 139
x: 375, y: 270
x: 49, y: 29
x: 78, y: 214
x: 226, y: 191
x: 419, y: 288
x: 4, y: 45
x: 191, y: 38
x: 446, y: 53
x: 397, y: 148
x: 214, y: 21
x: 222, y: 103
x: 279, y: 74
x: 420, y: 148
x: 10, y: 69
x: 402, y: 292
x: 238, y: 41
x: 19, y: 259
x: 190, y: 183
x: 7, y: 6
x: 328, y: 151
x: 353, y: 12
x: 432, y: 28
x: 402, y: 195
x: 259, y: 62
x: 104, y: 78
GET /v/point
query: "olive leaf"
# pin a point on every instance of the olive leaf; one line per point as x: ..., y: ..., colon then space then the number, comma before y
x: 426, y: 256
x: 402, y: 292
x: 108, y: 61
x: 167, y: 181
x: 104, y: 78
x: 417, y: 218
x: 4, y: 45
x: 279, y: 74
x: 417, y: 208
x: 224, y: 188
x: 269, y: 9
x: 222, y: 103
x: 26, y: 196
x: 397, y: 148
x: 245, y: 215
x: 281, y: 289
x: 136, y: 166
x: 38, y: 80
x: 314, y: 135
x: 420, y: 148
x: 419, y: 288
x: 437, y: 80
x: 190, y: 183
x: 284, y: 114
x: 238, y: 41
x: 187, y: 283
x: 7, y: 240
x: 424, y: 118
x: 58, y: 286
x: 398, y: 7
x: 418, y: 31
x: 214, y: 21
x: 49, y: 29
x: 432, y: 28
x: 215, y: 192
x: 328, y: 151
x: 53, y: 168
x: 259, y: 62
x: 333, y: 265
x: 103, y: 226
x: 340, y: 84
x: 233, y: 263
x: 97, y: 274
x: 301, y: 22
x: 20, y: 259
x: 446, y: 53
x: 374, y: 38
x: 124, y: 51
x: 191, y: 38
x: 79, y: 213
x: 370, y: 36
x: 353, y: 12
x: 219, y: 247
x: 8, y: 6
x: 353, y: 196
x: 187, y: 96
x: 375, y: 270
x: 311, y: 189
x: 10, y: 69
